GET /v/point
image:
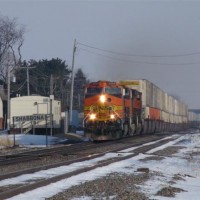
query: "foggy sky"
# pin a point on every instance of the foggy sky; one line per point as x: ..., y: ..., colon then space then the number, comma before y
x: 146, y: 28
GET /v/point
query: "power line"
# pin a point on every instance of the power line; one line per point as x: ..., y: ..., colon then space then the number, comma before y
x: 138, y: 55
x: 22, y: 85
x: 138, y: 62
x: 36, y: 71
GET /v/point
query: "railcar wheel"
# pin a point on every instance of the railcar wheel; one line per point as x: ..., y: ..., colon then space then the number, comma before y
x: 125, y: 130
x: 132, y: 129
x: 139, y: 128
x: 120, y: 134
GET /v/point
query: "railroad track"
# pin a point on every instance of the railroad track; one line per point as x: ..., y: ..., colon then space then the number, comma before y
x: 84, y: 156
x: 36, y: 154
x: 62, y: 150
x: 44, y: 182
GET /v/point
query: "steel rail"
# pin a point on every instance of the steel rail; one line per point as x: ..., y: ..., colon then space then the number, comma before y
x: 41, y: 183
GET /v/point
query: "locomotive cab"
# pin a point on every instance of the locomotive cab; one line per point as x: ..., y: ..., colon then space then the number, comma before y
x: 103, y: 109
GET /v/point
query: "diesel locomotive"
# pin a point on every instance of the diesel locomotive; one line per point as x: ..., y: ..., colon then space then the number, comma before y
x: 113, y: 110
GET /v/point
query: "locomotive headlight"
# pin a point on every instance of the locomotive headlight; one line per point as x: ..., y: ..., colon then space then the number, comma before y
x: 92, y: 116
x: 102, y: 98
x: 112, y: 116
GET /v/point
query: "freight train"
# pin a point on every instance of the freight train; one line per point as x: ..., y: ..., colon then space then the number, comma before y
x: 113, y: 110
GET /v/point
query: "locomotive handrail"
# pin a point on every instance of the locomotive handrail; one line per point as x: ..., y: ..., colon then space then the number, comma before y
x: 85, y: 118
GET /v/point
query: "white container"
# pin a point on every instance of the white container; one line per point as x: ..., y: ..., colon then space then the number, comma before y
x: 171, y: 108
x: 164, y: 116
x: 176, y: 107
x: 153, y: 96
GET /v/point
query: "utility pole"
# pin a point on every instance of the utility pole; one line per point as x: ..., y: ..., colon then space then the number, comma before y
x: 51, y: 99
x: 27, y: 75
x: 72, y: 86
x: 51, y: 84
x: 8, y: 100
x: 27, y: 78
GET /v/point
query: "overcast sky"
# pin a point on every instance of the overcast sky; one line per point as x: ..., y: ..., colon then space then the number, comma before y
x: 154, y: 40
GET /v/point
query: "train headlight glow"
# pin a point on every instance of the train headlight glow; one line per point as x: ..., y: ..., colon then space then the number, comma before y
x: 102, y: 98
x: 92, y: 116
x: 112, y: 116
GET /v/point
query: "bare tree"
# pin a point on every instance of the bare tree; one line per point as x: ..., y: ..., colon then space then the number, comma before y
x: 11, y: 41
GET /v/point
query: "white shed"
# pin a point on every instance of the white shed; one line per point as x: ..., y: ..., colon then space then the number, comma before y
x: 35, y: 105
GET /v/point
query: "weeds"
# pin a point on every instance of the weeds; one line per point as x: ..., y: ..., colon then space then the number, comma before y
x: 5, y: 141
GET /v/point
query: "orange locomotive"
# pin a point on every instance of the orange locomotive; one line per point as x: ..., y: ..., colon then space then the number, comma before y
x: 111, y: 111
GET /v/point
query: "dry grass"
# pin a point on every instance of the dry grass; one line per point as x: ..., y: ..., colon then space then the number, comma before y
x: 5, y: 141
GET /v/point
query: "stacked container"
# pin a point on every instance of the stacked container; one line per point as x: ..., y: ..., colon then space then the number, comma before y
x: 157, y: 104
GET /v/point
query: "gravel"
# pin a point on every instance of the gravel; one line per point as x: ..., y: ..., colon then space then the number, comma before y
x: 119, y: 186
x: 116, y: 186
x: 169, y: 191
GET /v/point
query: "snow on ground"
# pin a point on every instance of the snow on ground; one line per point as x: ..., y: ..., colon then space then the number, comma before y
x: 26, y: 140
x: 32, y: 140
x: 170, y: 166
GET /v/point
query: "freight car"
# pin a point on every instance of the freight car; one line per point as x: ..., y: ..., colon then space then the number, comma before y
x: 113, y: 110
x: 193, y: 119
x: 162, y: 112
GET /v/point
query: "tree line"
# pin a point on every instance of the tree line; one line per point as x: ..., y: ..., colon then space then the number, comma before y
x: 43, y: 77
